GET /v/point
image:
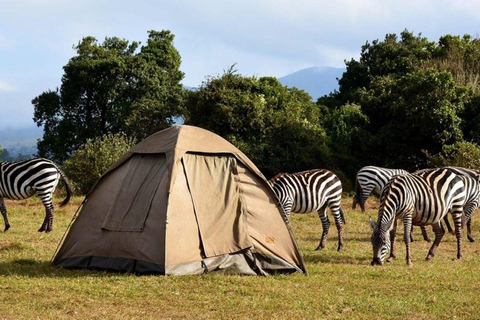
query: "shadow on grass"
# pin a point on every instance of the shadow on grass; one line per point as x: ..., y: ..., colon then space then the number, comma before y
x: 40, y: 269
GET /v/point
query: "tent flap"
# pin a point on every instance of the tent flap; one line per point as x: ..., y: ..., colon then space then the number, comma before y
x: 132, y: 203
x: 216, y: 198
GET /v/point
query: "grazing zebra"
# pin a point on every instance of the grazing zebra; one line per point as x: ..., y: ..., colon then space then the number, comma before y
x: 421, y: 199
x: 310, y: 191
x: 21, y: 180
x: 373, y: 179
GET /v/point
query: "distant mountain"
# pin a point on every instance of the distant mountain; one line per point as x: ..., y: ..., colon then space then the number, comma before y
x: 317, y: 81
x: 20, y: 141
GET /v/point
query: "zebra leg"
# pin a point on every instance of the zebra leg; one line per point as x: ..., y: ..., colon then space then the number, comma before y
x: 425, y: 234
x: 393, y: 236
x: 457, y: 214
x: 411, y: 233
x: 3, y: 209
x: 469, y: 230
x: 447, y: 224
x: 439, y: 233
x: 407, y: 223
x: 48, y: 221
x: 337, y: 214
x: 322, y: 213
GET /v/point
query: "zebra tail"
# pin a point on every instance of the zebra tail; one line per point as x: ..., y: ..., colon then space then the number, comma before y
x: 358, y: 195
x: 68, y: 188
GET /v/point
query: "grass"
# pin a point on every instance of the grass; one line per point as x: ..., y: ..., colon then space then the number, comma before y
x: 340, y: 285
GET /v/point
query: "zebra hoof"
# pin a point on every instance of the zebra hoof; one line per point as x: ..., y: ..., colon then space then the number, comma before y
x: 6, y: 228
x: 471, y: 239
x: 340, y: 248
x: 429, y: 257
x: 318, y: 248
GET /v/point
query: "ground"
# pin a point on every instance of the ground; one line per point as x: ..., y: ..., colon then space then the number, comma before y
x: 339, y: 285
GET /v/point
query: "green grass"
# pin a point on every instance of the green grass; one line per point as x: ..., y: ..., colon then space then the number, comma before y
x: 340, y: 285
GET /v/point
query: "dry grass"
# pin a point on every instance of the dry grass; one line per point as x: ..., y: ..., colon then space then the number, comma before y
x: 339, y: 285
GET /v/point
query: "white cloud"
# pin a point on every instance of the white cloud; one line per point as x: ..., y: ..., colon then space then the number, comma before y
x: 6, y: 87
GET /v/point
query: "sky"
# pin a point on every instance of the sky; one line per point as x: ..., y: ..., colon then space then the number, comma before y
x: 262, y: 37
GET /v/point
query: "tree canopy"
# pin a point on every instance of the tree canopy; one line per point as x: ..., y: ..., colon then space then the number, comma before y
x: 109, y: 88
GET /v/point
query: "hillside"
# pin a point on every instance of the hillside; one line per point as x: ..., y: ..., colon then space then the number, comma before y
x: 317, y: 81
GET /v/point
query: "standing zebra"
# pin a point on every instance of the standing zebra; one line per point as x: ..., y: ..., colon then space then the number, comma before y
x: 373, y: 179
x: 310, y: 191
x: 472, y: 188
x: 421, y: 199
x: 21, y: 180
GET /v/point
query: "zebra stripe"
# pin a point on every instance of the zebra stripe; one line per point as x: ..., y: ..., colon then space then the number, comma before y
x: 422, y: 199
x: 472, y: 189
x: 371, y: 179
x: 21, y: 180
x: 310, y: 191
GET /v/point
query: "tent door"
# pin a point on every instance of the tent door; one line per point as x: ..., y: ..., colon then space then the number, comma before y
x: 214, y: 188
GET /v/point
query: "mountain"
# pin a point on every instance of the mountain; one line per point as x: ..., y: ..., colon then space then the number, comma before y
x: 317, y: 81
x: 20, y: 141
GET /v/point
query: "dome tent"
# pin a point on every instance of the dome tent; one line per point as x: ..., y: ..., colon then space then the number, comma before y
x: 182, y: 201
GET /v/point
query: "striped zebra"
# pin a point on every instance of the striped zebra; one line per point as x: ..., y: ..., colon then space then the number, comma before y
x: 21, y: 180
x: 421, y: 199
x: 472, y: 186
x: 310, y: 191
x: 371, y: 179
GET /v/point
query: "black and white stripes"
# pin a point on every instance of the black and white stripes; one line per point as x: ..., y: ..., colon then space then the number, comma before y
x: 21, y: 180
x: 421, y: 199
x: 310, y: 191
x: 371, y: 179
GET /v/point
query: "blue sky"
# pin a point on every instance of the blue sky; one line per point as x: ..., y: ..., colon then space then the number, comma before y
x: 264, y: 37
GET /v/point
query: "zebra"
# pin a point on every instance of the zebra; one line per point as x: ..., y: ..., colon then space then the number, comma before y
x: 473, y: 193
x: 310, y: 191
x: 371, y: 179
x: 21, y: 180
x: 421, y: 199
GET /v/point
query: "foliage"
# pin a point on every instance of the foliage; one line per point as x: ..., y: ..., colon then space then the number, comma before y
x: 277, y: 127
x: 110, y: 88
x: 416, y: 96
x: 90, y: 161
x: 460, y: 154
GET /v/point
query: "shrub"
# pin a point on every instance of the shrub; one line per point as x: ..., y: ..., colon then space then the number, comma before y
x: 90, y: 161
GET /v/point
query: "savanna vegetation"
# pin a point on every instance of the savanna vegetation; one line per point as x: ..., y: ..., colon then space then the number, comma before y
x: 408, y: 102
x: 339, y: 285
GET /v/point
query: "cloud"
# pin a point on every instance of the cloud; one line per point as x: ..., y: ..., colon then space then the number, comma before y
x: 6, y: 87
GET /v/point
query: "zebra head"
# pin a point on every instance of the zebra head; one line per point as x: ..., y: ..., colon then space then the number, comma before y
x: 381, y: 245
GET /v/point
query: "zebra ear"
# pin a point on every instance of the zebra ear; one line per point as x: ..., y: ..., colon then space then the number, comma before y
x: 373, y: 224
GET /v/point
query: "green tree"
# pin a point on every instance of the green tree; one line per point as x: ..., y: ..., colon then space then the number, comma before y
x: 277, y: 127
x: 111, y: 87
x: 461, y: 154
x: 96, y: 155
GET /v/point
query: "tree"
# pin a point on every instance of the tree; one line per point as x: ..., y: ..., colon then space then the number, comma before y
x: 277, y: 127
x: 110, y: 88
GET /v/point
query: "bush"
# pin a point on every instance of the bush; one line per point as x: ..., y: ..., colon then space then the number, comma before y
x: 88, y: 163
x: 461, y: 154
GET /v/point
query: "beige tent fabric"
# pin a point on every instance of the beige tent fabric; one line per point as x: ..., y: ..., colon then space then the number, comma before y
x: 143, y: 174
x: 182, y: 201
x: 215, y: 193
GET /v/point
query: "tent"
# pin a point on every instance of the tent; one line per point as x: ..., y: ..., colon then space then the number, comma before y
x: 182, y: 201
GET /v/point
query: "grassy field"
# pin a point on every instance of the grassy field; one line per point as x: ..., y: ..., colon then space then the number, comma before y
x: 339, y: 285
